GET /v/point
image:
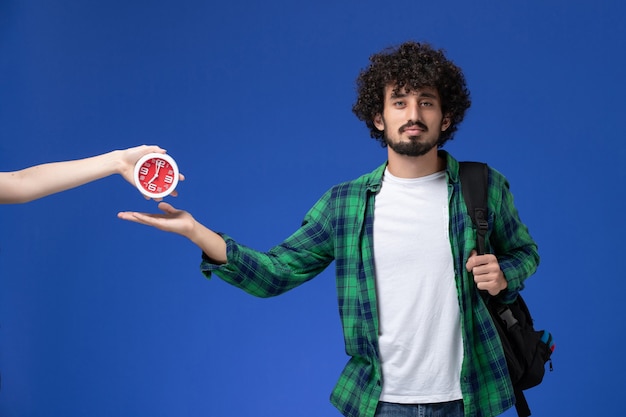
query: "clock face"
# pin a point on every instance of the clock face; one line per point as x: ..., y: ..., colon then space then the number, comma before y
x: 156, y: 175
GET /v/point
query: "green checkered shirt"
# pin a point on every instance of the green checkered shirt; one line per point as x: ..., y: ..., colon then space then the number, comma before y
x: 339, y: 228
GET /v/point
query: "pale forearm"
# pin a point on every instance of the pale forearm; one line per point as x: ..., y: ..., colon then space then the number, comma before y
x: 41, y: 180
x: 45, y: 179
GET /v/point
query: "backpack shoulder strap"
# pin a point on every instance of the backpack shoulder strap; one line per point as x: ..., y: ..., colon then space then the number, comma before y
x: 474, y: 186
x: 474, y: 182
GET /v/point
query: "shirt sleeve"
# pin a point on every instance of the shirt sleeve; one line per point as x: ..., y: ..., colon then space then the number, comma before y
x: 510, y: 239
x: 302, y: 256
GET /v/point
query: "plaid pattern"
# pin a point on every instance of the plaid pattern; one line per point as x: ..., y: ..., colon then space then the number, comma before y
x: 339, y: 228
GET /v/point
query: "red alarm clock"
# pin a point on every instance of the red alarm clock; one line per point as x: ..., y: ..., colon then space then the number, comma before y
x: 156, y: 175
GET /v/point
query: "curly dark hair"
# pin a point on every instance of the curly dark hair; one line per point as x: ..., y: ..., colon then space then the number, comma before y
x: 411, y: 66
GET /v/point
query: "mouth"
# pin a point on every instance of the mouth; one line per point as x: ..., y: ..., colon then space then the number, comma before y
x: 413, y: 131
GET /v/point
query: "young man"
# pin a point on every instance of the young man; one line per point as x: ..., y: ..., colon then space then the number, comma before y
x: 39, y: 181
x: 420, y: 338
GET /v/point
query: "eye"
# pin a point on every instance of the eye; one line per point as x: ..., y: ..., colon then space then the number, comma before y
x: 399, y: 103
x: 426, y: 104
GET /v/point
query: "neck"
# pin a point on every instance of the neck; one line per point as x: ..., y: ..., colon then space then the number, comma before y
x: 403, y: 166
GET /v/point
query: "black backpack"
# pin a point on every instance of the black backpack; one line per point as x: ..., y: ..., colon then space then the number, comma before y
x: 526, y: 350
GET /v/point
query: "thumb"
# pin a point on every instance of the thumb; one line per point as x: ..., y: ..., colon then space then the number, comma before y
x: 167, y: 208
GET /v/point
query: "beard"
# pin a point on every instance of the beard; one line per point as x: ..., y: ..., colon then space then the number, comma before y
x: 416, y: 146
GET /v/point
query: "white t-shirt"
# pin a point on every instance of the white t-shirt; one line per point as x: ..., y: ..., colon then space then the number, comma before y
x: 420, y: 335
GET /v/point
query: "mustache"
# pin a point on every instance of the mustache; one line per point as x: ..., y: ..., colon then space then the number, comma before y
x: 411, y: 123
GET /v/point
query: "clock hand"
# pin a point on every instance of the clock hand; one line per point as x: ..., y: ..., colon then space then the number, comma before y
x: 158, y: 165
x: 153, y: 178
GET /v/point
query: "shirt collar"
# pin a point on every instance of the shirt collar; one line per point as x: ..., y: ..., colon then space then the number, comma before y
x: 452, y: 166
x: 376, y: 178
x: 452, y: 170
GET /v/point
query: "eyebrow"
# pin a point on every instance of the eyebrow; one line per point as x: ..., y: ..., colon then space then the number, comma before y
x: 421, y: 94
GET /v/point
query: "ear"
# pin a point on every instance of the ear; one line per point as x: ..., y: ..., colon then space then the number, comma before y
x: 378, y: 122
x: 445, y: 123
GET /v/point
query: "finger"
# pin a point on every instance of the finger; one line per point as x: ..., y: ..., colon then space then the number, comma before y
x: 154, y: 148
x: 471, y: 261
x: 489, y: 288
x: 122, y: 215
x: 130, y: 216
x: 167, y: 208
x: 144, y: 218
x: 481, y: 279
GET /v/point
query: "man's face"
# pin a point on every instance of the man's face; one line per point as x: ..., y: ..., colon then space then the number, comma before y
x: 411, y: 122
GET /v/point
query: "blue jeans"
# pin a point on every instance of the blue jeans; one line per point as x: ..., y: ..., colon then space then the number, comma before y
x: 447, y: 409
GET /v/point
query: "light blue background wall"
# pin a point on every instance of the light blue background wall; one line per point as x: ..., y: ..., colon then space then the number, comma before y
x: 99, y: 317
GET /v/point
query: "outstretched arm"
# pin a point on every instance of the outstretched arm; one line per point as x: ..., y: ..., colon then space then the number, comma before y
x: 183, y: 223
x: 41, y: 180
x: 303, y: 255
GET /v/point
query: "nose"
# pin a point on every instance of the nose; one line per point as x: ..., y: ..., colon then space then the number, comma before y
x: 413, y: 111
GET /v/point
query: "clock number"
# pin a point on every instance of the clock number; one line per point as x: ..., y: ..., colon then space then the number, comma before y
x: 168, y: 179
x: 143, y: 170
x: 160, y: 163
x: 152, y: 187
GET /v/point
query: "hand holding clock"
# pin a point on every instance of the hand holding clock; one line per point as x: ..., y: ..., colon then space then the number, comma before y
x: 38, y: 181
